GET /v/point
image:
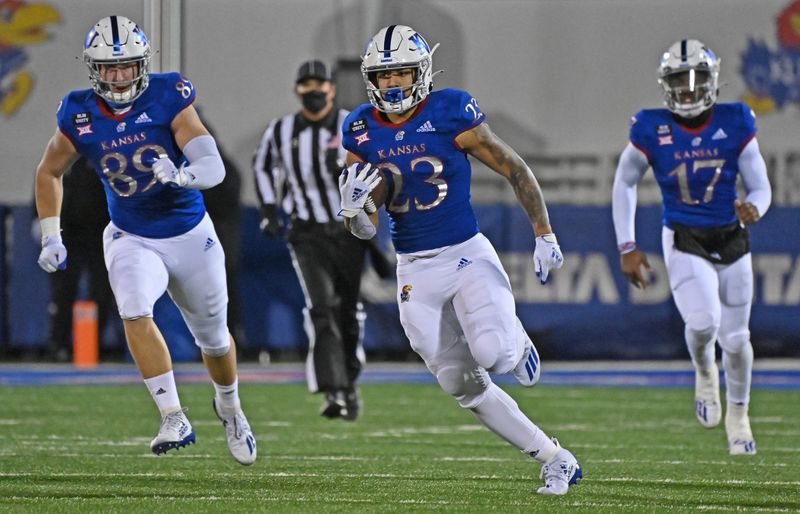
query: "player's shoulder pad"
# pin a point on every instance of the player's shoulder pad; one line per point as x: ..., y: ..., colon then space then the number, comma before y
x: 740, y: 115
x: 457, y: 108
x: 647, y: 121
x: 74, y: 107
x: 358, y: 120
x: 173, y: 88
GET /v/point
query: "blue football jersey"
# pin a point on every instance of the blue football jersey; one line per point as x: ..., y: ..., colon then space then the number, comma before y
x: 122, y: 148
x: 428, y: 174
x: 696, y: 169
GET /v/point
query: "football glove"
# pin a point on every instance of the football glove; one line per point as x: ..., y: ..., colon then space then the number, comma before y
x: 546, y: 256
x: 53, y: 255
x: 355, y: 185
x: 271, y: 224
x: 166, y: 173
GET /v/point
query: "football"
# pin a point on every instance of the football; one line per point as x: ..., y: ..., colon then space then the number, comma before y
x: 381, y: 191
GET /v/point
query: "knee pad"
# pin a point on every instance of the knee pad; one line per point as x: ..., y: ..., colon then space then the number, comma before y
x: 701, y: 327
x: 211, y: 335
x: 466, y: 386
x: 487, y: 350
x: 736, y: 342
x: 135, y: 306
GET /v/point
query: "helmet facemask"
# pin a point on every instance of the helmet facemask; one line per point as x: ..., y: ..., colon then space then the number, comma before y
x: 117, y: 41
x: 689, y: 77
x: 689, y: 92
x: 397, y: 100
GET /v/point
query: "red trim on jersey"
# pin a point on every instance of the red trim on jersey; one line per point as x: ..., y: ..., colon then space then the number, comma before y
x: 699, y: 129
x: 745, y: 143
x: 106, y: 111
x: 184, y: 107
x: 69, y: 136
x: 377, y: 115
x: 455, y: 143
x: 644, y: 151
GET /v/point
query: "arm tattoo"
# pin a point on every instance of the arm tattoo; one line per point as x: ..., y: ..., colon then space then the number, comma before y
x: 509, y: 164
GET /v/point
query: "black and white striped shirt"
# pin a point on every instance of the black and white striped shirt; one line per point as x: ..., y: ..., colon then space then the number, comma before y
x: 297, y: 166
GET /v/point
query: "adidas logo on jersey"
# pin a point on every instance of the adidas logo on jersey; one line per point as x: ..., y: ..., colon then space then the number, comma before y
x: 160, y: 391
x: 143, y: 118
x: 426, y: 127
x: 209, y: 243
x: 719, y: 134
x: 463, y: 263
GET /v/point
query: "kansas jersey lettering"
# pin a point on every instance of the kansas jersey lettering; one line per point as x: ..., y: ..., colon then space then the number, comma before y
x: 122, y: 149
x: 696, y: 169
x: 428, y: 174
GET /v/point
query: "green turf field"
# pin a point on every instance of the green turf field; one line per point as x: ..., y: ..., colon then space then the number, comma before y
x: 86, y: 449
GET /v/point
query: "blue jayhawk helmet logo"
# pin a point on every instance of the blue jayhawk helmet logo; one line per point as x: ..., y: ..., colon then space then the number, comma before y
x: 405, y: 293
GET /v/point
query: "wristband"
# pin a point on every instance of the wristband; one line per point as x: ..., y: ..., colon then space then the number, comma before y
x: 51, y: 226
x: 627, y: 247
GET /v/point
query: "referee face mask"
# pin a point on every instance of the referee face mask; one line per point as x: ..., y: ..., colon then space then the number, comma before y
x: 314, y: 101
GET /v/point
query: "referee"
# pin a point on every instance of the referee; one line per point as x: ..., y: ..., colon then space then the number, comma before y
x: 296, y: 167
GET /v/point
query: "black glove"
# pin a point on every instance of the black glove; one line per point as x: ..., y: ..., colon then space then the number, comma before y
x: 271, y: 224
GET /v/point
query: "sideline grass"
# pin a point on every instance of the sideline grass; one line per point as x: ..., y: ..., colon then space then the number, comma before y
x: 86, y: 449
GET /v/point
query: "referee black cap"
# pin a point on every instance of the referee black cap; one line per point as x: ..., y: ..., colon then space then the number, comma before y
x: 313, y: 70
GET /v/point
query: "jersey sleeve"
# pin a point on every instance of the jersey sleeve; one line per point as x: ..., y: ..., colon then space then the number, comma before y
x: 64, y: 120
x: 465, y: 112
x: 354, y: 125
x: 638, y: 133
x: 748, y: 123
x: 179, y: 93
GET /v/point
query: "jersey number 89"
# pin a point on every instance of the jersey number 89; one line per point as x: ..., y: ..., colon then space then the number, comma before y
x: 118, y: 180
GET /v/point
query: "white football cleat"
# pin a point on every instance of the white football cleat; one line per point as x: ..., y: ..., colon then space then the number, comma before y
x: 707, y: 406
x: 737, y: 426
x: 560, y: 472
x: 528, y: 369
x: 175, y: 432
x: 241, y: 441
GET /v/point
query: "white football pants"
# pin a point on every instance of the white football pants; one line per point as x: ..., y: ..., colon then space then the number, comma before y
x: 455, y: 294
x: 714, y: 301
x: 190, y: 267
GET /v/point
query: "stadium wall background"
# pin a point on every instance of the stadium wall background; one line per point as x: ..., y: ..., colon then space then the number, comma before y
x: 558, y: 80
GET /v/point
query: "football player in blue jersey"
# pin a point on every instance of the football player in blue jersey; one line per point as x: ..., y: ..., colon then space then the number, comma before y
x: 153, y: 155
x: 455, y: 299
x: 697, y: 149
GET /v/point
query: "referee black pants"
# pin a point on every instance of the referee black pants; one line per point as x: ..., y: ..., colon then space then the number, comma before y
x: 329, y: 261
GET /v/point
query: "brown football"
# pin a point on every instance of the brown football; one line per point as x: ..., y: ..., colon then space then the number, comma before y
x: 380, y: 192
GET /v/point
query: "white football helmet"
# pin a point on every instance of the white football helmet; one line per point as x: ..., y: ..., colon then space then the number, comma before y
x: 689, y: 75
x: 395, y: 47
x: 117, y: 40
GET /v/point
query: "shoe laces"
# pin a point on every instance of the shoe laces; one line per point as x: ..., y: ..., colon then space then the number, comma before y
x: 239, y: 425
x: 174, y: 421
x: 556, y: 470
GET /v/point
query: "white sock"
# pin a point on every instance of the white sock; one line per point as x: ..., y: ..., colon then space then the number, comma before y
x: 228, y: 395
x: 501, y: 414
x: 164, y: 391
x: 738, y: 374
